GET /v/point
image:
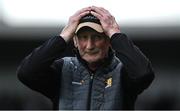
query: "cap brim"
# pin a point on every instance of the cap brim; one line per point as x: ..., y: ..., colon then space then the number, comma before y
x: 95, y: 26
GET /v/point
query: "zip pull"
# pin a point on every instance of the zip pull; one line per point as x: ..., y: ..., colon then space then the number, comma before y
x: 92, y: 75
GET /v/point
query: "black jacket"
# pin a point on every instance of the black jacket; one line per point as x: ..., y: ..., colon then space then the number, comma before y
x: 36, y: 70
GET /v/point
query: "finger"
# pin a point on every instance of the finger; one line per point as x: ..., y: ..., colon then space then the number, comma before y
x: 104, y: 10
x: 97, y: 10
x: 100, y: 8
x: 82, y: 14
x: 83, y: 10
x: 96, y: 15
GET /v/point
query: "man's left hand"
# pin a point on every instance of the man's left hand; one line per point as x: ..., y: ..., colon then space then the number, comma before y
x: 108, y: 21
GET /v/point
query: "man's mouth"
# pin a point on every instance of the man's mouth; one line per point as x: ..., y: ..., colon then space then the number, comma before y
x: 92, y: 52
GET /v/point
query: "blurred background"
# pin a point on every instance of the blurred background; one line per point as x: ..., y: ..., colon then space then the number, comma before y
x: 153, y: 25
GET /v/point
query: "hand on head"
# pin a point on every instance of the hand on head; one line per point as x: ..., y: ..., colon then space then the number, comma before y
x: 108, y: 22
x: 69, y: 30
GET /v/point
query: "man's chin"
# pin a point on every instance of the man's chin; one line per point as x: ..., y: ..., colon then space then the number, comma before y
x: 92, y: 60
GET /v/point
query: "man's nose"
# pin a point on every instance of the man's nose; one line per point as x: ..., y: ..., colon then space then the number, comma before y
x: 90, y: 43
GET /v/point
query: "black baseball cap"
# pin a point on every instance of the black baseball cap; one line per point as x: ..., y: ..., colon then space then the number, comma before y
x: 90, y: 21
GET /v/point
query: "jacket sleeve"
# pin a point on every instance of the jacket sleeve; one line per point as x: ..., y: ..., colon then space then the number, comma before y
x: 38, y: 71
x: 138, y: 72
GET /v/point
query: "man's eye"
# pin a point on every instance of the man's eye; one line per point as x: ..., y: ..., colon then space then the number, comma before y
x: 97, y: 37
x: 83, y: 37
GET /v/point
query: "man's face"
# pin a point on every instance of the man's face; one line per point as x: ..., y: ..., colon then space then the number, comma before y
x: 93, y: 46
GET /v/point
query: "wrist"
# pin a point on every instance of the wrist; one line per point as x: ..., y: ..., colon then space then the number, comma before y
x: 112, y: 32
x: 65, y: 37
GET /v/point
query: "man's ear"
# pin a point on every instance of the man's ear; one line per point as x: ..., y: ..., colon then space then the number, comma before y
x: 75, y: 41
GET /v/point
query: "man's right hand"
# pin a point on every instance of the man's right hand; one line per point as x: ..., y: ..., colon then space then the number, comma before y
x: 69, y: 30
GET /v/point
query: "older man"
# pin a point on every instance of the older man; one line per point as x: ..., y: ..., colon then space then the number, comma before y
x: 108, y: 71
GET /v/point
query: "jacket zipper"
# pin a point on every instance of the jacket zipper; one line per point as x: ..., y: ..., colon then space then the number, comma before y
x: 90, y: 90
